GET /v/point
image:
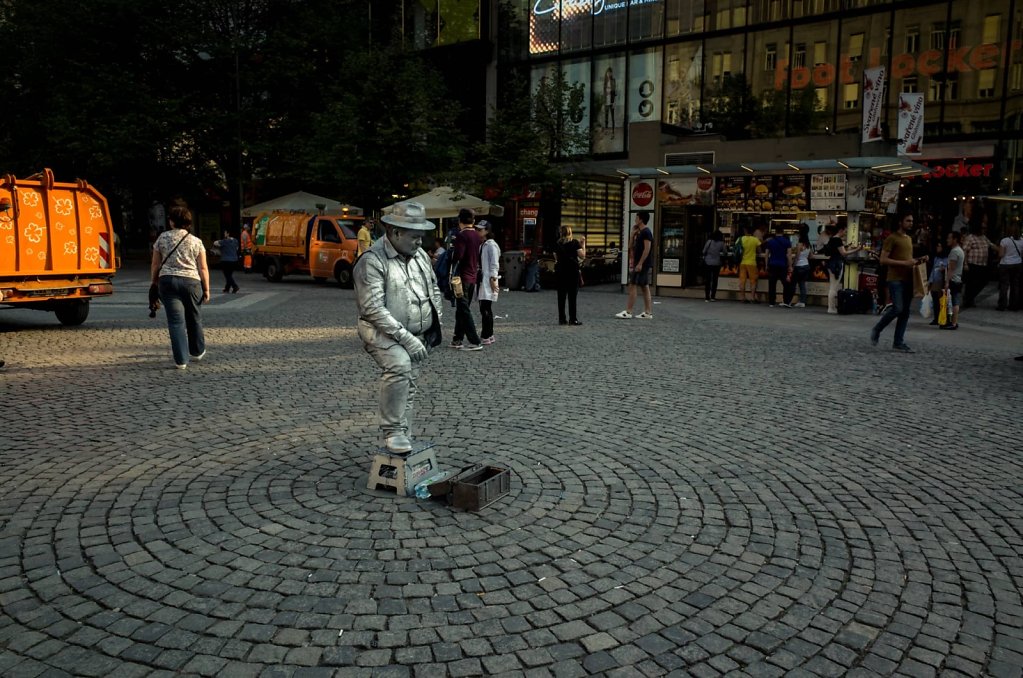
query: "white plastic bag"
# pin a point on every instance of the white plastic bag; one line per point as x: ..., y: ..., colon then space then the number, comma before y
x: 927, y: 307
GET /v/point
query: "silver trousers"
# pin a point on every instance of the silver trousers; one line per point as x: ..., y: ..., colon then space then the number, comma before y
x: 397, y: 388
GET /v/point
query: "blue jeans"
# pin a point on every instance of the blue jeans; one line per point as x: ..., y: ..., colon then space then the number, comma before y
x: 181, y: 298
x: 901, y: 296
x: 800, y: 274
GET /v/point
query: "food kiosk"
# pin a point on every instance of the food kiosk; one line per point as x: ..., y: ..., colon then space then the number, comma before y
x: 691, y: 201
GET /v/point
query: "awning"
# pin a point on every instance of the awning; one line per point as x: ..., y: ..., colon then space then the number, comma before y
x: 444, y: 202
x: 891, y: 167
x: 302, y: 202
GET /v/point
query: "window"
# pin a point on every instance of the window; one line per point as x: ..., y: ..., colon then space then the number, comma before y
x: 934, y: 90
x: 887, y: 39
x: 797, y: 8
x: 799, y: 60
x: 724, y: 19
x: 775, y: 10
x: 992, y: 28
x: 855, y: 47
x: 952, y: 87
x: 822, y: 97
x: 348, y: 228
x: 953, y: 34
x: 986, y: 83
x: 1016, y: 77
x: 770, y: 56
x: 938, y: 36
x: 851, y: 95
x: 910, y: 84
x: 912, y: 39
x: 327, y: 232
x: 820, y: 53
x: 739, y: 17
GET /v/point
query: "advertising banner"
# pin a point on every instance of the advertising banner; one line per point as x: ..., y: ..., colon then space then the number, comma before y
x: 791, y: 193
x: 609, y: 105
x: 827, y: 192
x: 732, y: 192
x: 686, y: 191
x: 644, y: 99
x: 911, y: 123
x: 873, y: 103
x: 761, y: 194
x: 642, y: 195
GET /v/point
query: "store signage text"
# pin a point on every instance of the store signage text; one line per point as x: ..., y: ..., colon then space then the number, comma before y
x: 930, y: 62
x: 959, y: 169
x: 642, y: 194
x: 541, y: 7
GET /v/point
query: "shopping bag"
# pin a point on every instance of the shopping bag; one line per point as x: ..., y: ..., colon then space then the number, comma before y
x: 920, y: 280
x: 927, y: 307
x: 943, y: 312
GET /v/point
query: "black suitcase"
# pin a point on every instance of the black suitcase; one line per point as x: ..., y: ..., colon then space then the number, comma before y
x: 866, y: 301
x: 848, y: 302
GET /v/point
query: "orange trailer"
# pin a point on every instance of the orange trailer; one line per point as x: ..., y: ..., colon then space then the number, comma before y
x: 56, y: 246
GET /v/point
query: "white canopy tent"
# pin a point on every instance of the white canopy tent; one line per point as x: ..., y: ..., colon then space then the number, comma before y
x: 300, y: 201
x: 444, y: 202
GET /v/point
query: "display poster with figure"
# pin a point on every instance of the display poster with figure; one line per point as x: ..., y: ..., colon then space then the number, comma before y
x: 644, y: 96
x: 609, y: 105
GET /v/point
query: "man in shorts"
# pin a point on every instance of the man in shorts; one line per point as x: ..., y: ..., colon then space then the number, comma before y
x: 641, y: 267
x: 748, y: 267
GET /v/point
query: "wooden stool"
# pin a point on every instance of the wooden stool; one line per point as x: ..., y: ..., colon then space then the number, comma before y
x: 402, y: 471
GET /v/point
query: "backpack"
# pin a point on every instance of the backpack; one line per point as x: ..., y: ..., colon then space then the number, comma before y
x: 737, y: 250
x: 443, y: 270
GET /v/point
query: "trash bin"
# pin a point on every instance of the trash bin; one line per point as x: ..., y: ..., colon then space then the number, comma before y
x: 512, y: 265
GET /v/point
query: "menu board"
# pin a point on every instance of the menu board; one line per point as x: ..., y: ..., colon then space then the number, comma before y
x: 732, y: 192
x: 827, y: 192
x: 761, y: 194
x: 791, y: 193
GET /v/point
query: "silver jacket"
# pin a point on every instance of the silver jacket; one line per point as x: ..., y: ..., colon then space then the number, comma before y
x: 394, y: 294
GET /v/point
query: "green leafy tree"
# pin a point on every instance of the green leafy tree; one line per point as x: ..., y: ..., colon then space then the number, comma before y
x: 533, y: 139
x: 731, y: 108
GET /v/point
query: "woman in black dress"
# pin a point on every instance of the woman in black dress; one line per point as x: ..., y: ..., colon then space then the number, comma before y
x: 566, y: 269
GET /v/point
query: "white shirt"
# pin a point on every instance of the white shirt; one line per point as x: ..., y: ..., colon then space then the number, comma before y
x: 1011, y: 251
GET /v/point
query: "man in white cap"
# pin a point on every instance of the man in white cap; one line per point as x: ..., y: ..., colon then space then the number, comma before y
x: 399, y: 315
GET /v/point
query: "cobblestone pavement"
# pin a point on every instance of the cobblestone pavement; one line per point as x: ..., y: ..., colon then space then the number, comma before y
x: 724, y: 489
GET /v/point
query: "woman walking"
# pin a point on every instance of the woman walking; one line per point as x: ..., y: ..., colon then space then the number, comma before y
x: 712, y: 250
x: 486, y: 291
x: 566, y: 270
x: 183, y: 279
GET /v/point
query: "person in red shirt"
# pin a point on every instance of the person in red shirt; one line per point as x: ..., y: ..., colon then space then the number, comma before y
x: 465, y: 263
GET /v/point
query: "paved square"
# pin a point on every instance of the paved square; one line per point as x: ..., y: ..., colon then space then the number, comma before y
x: 723, y: 489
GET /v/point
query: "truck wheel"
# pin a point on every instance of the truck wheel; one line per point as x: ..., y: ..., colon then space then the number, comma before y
x: 72, y: 313
x: 274, y: 269
x: 343, y: 275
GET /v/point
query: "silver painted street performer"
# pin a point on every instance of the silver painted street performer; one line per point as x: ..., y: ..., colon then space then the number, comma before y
x: 399, y: 315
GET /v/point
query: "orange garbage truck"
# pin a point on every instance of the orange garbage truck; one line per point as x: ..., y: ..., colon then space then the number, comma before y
x: 318, y: 245
x: 56, y: 246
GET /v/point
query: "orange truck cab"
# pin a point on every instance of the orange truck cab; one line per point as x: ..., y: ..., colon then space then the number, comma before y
x: 56, y: 246
x: 321, y: 245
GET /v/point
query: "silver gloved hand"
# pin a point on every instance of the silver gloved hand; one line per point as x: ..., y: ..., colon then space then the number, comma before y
x: 416, y: 349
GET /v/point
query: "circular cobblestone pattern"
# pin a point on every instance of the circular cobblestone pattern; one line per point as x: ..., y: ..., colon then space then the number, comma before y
x: 723, y: 490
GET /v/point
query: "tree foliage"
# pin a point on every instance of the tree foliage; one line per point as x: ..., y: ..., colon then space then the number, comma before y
x: 533, y: 137
x: 737, y: 113
x: 200, y: 96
